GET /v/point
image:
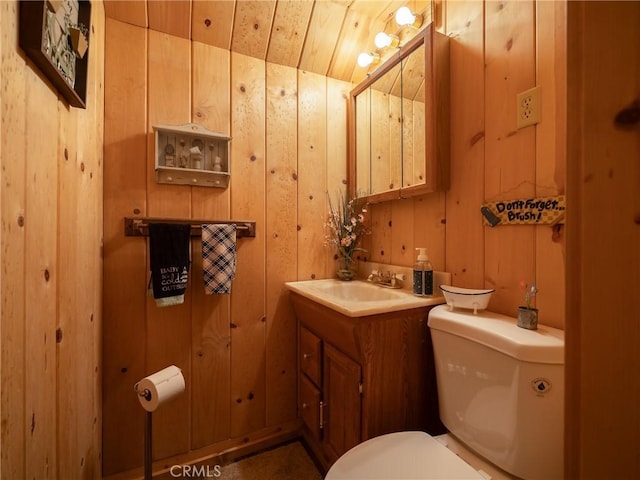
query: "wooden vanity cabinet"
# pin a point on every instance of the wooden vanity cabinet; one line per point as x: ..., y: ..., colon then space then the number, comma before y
x: 360, y: 377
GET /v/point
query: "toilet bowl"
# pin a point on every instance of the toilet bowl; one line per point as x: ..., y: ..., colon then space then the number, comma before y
x: 415, y: 456
x: 501, y: 397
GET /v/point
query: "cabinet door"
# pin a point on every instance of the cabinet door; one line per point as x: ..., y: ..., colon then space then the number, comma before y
x: 341, y: 414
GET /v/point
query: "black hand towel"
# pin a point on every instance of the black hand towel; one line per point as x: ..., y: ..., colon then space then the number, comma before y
x: 169, y: 256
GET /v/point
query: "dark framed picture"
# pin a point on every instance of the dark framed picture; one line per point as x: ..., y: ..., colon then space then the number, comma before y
x: 55, y: 36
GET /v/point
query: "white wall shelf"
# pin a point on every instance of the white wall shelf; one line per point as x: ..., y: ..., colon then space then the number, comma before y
x: 191, y: 155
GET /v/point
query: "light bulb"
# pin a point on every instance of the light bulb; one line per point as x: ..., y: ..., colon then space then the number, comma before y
x: 383, y: 40
x: 365, y: 59
x: 404, y: 16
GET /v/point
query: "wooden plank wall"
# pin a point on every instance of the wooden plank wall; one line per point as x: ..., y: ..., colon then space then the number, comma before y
x: 289, y: 146
x: 498, y: 49
x: 237, y: 352
x: 51, y: 189
x: 603, y: 242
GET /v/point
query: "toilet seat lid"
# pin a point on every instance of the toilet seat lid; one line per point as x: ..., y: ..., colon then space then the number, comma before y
x: 401, y: 455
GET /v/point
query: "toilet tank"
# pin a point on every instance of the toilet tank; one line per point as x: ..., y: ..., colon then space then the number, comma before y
x: 501, y: 389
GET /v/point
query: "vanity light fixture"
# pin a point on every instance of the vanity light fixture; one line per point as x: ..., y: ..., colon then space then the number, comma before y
x: 404, y: 16
x: 384, y: 40
x: 365, y: 59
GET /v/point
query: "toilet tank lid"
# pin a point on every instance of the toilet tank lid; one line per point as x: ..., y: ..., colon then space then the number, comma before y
x: 499, y: 332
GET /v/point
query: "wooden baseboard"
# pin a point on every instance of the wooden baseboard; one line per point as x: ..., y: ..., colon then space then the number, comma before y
x: 221, y: 453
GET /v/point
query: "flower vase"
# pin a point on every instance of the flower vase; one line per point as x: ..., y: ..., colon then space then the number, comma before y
x: 345, y: 268
x: 528, y: 318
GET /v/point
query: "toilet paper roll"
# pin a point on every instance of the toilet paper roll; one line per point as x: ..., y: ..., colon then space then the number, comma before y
x: 159, y: 387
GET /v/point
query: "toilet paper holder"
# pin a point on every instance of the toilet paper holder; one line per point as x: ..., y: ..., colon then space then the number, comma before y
x: 146, y: 393
x: 148, y: 458
x: 159, y: 387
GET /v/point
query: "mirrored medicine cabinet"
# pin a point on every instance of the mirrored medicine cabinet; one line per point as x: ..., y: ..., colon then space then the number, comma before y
x: 399, y: 123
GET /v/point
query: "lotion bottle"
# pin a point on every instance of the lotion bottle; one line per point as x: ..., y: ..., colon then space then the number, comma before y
x: 422, y: 274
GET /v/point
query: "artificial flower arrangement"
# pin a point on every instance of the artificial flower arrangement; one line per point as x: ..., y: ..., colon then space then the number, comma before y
x: 344, y: 229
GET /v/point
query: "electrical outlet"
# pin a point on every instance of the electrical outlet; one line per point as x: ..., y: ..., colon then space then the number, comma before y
x: 528, y: 107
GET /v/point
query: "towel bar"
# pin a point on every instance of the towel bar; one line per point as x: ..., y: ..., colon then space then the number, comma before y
x: 138, y: 226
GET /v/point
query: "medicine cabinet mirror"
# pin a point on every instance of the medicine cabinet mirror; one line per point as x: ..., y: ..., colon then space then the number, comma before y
x: 399, y: 123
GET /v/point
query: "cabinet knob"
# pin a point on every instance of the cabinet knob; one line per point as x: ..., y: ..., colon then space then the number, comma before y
x: 305, y: 405
x: 306, y: 356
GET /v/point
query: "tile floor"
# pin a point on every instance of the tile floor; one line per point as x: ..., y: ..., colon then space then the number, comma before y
x: 288, y: 462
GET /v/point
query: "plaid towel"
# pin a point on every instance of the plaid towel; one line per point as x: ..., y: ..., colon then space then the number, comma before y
x: 218, y: 257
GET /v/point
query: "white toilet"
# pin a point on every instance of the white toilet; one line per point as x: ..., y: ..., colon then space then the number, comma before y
x: 501, y: 396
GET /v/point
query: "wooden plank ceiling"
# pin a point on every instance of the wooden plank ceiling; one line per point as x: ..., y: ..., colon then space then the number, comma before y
x: 320, y: 36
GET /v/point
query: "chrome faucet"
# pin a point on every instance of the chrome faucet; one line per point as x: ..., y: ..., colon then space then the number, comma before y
x: 374, y: 277
x: 388, y: 279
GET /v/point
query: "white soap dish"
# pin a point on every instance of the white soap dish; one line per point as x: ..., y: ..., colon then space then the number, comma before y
x: 466, y: 297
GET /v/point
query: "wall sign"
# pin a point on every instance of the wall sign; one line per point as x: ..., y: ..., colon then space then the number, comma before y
x: 55, y: 36
x: 528, y: 211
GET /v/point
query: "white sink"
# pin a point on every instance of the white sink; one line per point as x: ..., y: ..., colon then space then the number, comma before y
x: 358, y: 298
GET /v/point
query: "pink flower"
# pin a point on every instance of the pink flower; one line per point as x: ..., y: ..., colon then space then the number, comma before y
x: 345, y: 225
